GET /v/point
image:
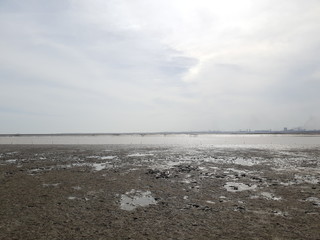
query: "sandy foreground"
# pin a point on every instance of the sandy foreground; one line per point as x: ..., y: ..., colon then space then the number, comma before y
x: 158, y: 192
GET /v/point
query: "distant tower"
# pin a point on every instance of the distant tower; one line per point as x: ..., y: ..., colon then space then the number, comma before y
x: 285, y: 129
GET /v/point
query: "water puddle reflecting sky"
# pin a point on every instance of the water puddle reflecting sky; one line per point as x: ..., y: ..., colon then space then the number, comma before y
x: 135, y: 198
x: 238, y: 187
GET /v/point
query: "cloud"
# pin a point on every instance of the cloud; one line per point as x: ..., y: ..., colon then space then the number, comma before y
x: 119, y: 66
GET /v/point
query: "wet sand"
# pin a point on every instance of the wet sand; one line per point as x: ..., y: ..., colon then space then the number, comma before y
x: 158, y: 192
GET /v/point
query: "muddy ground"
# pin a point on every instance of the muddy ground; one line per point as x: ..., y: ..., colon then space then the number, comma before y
x: 158, y: 192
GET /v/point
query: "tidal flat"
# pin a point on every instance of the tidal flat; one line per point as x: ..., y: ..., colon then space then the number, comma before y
x: 159, y: 192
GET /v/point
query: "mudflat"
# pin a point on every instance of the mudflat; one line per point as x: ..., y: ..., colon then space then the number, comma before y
x: 158, y: 192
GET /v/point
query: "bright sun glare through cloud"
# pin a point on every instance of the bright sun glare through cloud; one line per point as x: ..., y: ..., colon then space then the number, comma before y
x: 148, y: 66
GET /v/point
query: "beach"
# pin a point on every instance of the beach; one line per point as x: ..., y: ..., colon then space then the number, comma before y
x: 141, y: 191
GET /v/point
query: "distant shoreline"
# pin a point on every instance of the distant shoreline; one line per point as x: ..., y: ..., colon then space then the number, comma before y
x: 305, y: 132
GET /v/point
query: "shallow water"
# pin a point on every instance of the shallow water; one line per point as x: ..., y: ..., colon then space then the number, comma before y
x: 221, y: 140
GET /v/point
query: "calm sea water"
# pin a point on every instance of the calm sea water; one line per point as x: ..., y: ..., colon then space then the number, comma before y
x: 228, y: 140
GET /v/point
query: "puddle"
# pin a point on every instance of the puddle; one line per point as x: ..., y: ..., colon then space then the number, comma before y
x: 270, y: 196
x: 102, y: 157
x: 245, y: 162
x: 238, y: 187
x: 272, y: 212
x: 267, y: 196
x: 298, y: 179
x: 186, y: 181
x: 307, y: 179
x: 140, y: 154
x: 314, y: 200
x: 11, y: 153
x: 223, y: 199
x: 11, y: 161
x: 237, y: 171
x: 163, y: 164
x: 135, y: 198
x: 288, y: 183
x: 213, y: 160
x: 93, y: 157
x: 129, y: 171
x: 99, y: 166
x: 215, y: 168
x: 95, y: 166
x: 108, y: 157
x: 39, y: 170
x: 279, y: 213
x: 203, y: 168
x: 51, y: 184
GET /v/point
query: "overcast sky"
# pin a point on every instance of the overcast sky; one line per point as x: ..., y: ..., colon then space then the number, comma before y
x: 150, y: 65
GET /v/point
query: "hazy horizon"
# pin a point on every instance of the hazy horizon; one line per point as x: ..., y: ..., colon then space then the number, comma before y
x: 199, y: 132
x: 158, y: 66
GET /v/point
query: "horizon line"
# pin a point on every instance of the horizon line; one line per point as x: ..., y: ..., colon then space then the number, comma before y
x: 292, y: 131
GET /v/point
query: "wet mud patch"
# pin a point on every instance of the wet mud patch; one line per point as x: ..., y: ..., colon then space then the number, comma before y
x: 136, y: 198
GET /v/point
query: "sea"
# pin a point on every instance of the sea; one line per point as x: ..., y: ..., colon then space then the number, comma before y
x: 217, y: 140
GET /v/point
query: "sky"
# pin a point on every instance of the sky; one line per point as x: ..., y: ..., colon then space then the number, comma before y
x: 78, y: 66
